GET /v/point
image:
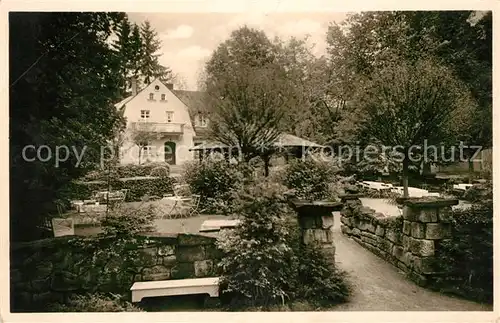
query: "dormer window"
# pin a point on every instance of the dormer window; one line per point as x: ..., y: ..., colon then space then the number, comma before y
x: 163, y: 97
x: 151, y: 96
x: 201, y: 121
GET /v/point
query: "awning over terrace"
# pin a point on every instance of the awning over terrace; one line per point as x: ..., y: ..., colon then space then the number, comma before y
x: 283, y: 141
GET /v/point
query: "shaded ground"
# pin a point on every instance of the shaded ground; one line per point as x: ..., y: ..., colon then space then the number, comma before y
x: 188, y: 225
x: 379, y: 286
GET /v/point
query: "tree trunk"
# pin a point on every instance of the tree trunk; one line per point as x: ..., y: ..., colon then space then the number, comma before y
x: 405, y: 176
x: 471, y: 169
x: 266, y: 165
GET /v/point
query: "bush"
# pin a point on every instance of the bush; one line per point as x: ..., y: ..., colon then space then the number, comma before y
x: 479, y: 192
x: 265, y: 263
x: 146, y: 186
x: 113, y: 257
x: 79, y: 190
x: 310, y: 179
x: 258, y: 267
x: 468, y: 256
x: 320, y: 282
x: 95, y: 303
x: 216, y: 182
x: 150, y: 169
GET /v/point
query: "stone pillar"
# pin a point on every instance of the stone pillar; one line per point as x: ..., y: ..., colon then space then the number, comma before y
x: 351, y: 205
x: 316, y: 223
x: 425, y: 223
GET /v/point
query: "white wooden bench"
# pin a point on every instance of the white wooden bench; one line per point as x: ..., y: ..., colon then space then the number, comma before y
x: 175, y: 287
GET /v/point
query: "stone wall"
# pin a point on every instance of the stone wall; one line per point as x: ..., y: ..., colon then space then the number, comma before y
x: 410, y: 241
x: 49, y: 270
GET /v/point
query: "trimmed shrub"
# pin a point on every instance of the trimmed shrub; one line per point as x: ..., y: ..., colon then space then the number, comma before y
x: 310, y: 179
x: 150, y: 169
x: 94, y: 303
x: 145, y: 186
x: 130, y: 170
x: 467, y: 257
x: 138, y: 187
x: 216, y: 182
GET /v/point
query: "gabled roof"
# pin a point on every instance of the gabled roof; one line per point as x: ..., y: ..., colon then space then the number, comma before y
x: 124, y: 101
x: 194, y: 100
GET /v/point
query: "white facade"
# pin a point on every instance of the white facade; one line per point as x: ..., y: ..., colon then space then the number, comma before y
x: 156, y: 116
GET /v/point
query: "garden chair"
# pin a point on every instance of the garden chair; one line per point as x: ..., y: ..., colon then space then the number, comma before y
x: 180, y: 190
x: 115, y: 199
x: 188, y: 207
x: 184, y: 203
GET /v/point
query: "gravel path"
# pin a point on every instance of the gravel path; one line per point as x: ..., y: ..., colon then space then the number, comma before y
x: 379, y: 286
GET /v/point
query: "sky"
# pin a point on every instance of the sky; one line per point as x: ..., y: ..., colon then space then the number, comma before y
x: 188, y: 39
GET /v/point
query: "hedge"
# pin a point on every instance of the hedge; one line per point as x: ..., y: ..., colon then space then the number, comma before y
x: 132, y: 170
x: 142, y: 186
x: 138, y: 187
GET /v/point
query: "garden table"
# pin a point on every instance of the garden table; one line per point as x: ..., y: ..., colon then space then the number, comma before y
x: 176, y: 202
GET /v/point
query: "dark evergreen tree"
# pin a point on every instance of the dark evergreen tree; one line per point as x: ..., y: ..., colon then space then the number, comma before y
x: 124, y: 51
x: 64, y: 80
x: 150, y: 65
x: 136, y: 53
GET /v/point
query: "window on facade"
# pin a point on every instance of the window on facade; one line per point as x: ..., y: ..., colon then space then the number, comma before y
x: 144, y: 115
x: 151, y: 96
x: 163, y: 97
x: 157, y: 87
x: 202, y: 120
x: 147, y: 149
x: 170, y: 116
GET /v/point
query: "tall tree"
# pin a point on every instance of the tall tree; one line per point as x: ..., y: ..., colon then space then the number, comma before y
x: 64, y: 80
x: 124, y: 51
x: 409, y: 105
x: 316, y: 110
x: 458, y: 39
x: 150, y: 65
x: 248, y: 93
x: 136, y: 53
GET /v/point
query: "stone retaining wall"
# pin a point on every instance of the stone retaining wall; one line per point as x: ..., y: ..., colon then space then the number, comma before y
x: 409, y: 241
x: 49, y: 270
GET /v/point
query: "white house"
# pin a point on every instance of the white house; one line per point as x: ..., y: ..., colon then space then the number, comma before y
x: 160, y: 121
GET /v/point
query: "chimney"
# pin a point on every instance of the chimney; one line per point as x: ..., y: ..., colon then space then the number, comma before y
x: 134, y: 86
x: 170, y: 86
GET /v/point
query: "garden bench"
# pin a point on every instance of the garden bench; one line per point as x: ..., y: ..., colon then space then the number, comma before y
x: 175, y: 287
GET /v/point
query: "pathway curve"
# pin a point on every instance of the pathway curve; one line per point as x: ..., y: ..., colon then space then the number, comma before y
x: 379, y: 286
